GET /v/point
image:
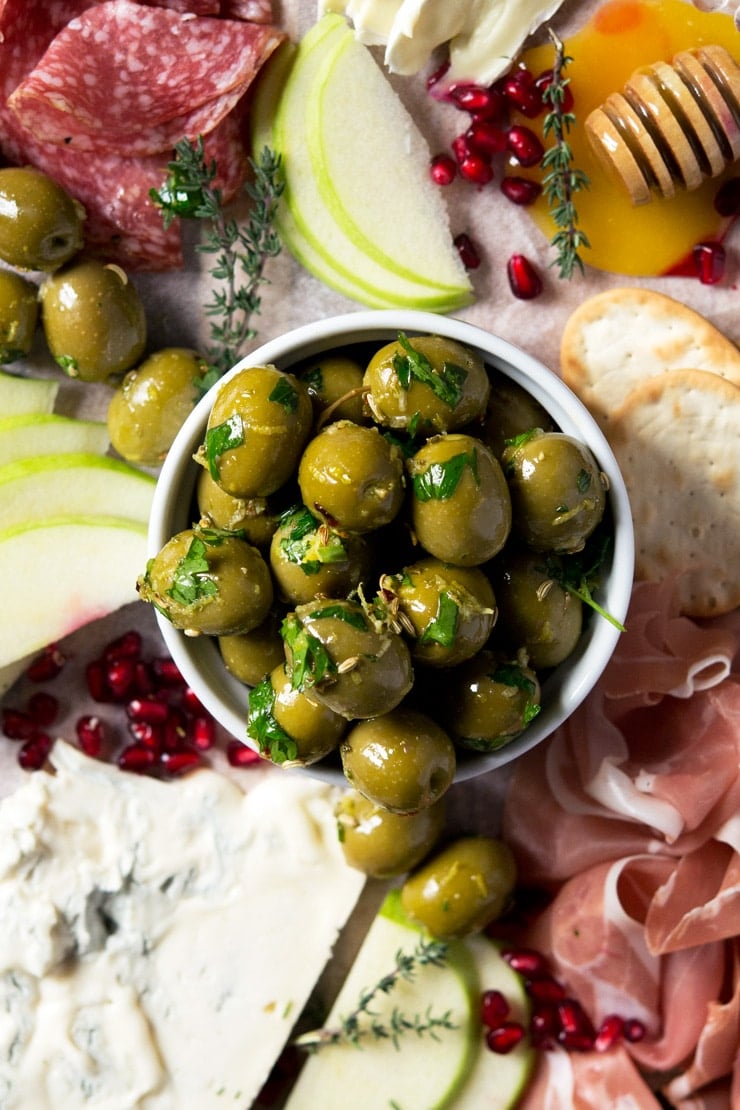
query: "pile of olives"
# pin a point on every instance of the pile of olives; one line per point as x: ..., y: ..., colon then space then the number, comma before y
x: 385, y: 545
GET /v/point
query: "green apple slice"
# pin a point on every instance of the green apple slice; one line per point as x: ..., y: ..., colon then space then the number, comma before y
x: 29, y: 434
x: 452, y: 1069
x: 61, y: 573
x: 67, y: 484
x: 372, y: 166
x: 26, y: 395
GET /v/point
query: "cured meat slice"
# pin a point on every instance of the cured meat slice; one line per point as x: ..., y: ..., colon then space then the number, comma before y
x: 255, y: 11
x: 133, y: 80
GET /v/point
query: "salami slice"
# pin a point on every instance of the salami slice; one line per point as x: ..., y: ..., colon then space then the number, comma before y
x: 253, y: 11
x: 127, y: 79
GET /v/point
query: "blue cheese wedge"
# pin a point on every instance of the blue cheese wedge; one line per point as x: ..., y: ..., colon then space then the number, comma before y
x: 159, y: 939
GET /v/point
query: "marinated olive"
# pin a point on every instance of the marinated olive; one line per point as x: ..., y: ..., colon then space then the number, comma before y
x: 352, y: 477
x: 557, y: 491
x: 462, y: 888
x: 310, y: 559
x: 402, y: 761
x: 536, y: 612
x: 451, y: 610
x: 510, y: 413
x: 41, y: 225
x: 249, y: 656
x: 209, y: 582
x: 93, y: 319
x: 287, y: 727
x: 489, y: 701
x: 382, y: 844
x: 427, y: 383
x: 253, y: 516
x: 259, y: 422
x: 19, y: 312
x: 460, y: 505
x: 334, y: 383
x: 356, y: 667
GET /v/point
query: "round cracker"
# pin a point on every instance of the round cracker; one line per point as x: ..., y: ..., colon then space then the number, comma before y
x: 677, y: 442
x: 616, y: 339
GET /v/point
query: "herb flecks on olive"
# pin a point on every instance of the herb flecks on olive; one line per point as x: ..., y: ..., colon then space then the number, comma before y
x: 19, y: 312
x: 309, y: 558
x: 490, y: 701
x: 382, y: 844
x: 41, y: 225
x: 287, y: 727
x: 537, y: 612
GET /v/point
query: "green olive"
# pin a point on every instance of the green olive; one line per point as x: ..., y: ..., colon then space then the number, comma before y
x: 557, y: 491
x: 352, y: 477
x: 287, y: 727
x: 402, y: 760
x: 208, y: 582
x: 260, y: 419
x: 41, y: 225
x: 253, y: 516
x: 462, y: 888
x: 19, y: 312
x: 460, y: 505
x: 249, y: 656
x: 510, y: 413
x: 536, y: 613
x: 450, y: 609
x: 344, y: 660
x: 382, y: 844
x: 489, y: 701
x: 334, y: 383
x: 308, y: 558
x: 427, y: 383
x: 148, y: 409
x: 93, y: 319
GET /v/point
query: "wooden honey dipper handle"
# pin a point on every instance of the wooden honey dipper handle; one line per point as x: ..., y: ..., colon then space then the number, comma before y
x: 672, y: 126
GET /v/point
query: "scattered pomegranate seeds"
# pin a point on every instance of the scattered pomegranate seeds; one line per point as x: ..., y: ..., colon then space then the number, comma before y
x: 494, y: 1008
x: 485, y: 138
x: 505, y: 1037
x: 467, y: 250
x: 43, y: 708
x: 18, y: 725
x: 709, y: 259
x: 47, y: 665
x: 522, y: 92
x: 241, y: 755
x: 90, y: 735
x: 524, y: 281
x: 33, y: 754
x: 443, y: 169
x: 476, y: 170
x: 520, y: 190
x: 524, y: 145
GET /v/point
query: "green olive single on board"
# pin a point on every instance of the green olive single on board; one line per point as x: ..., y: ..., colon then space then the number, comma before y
x: 461, y: 888
x: 382, y: 844
x: 19, y: 312
x: 208, y: 582
x: 402, y: 760
x: 286, y: 726
x: 309, y: 558
x: 334, y: 383
x: 536, y: 612
x: 251, y: 515
x: 41, y: 225
x: 150, y: 405
x: 489, y: 701
x: 427, y: 383
x: 93, y: 320
x: 249, y: 656
x: 460, y: 503
x: 259, y: 422
x: 557, y: 491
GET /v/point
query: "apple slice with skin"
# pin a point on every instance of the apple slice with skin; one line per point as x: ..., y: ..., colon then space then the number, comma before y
x: 452, y: 1069
x: 26, y: 395
x: 61, y: 573
x: 64, y: 485
x: 29, y: 434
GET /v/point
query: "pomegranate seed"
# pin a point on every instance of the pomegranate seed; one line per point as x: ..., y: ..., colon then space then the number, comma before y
x: 494, y: 1008
x: 443, y: 169
x: 545, y: 989
x: 525, y: 282
x: 47, y: 665
x: 33, y: 754
x: 143, y: 682
x: 543, y: 82
x: 95, y: 676
x: 524, y: 145
x: 543, y: 1027
x: 476, y: 170
x: 149, y: 710
x: 191, y: 703
x: 485, y: 138
x: 174, y: 731
x: 576, y: 1042
x: 178, y: 763
x: 43, y: 708
x: 527, y: 962
x: 90, y: 734
x: 505, y: 1037
x: 202, y: 733
x: 522, y: 93
x: 709, y: 259
x: 18, y: 725
x: 166, y: 671
x: 127, y: 646
x: 144, y: 733
x: 634, y: 1030
x: 434, y: 80
x: 471, y: 98
x: 493, y: 110
x: 520, y: 190
x: 461, y: 148
x: 572, y: 1018
x: 466, y: 249
x: 119, y: 676
x: 241, y: 755
x: 610, y: 1031
x: 727, y: 200
x: 137, y: 758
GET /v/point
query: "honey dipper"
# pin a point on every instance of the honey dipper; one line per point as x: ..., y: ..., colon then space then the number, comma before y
x: 672, y: 126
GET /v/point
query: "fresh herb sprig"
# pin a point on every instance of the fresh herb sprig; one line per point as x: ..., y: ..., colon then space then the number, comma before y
x: 579, y: 573
x: 562, y: 181
x: 240, y: 249
x: 363, y: 1023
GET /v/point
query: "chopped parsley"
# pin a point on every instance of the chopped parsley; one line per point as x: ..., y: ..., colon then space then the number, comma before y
x: 353, y: 617
x: 579, y: 573
x: 262, y: 727
x: 311, y: 663
x: 191, y: 580
x: 446, y: 384
x: 309, y: 543
x: 511, y: 674
x: 443, y: 626
x: 223, y: 437
x: 285, y: 394
x: 440, y: 480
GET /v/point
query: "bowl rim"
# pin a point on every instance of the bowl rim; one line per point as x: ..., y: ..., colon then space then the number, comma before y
x: 566, y: 687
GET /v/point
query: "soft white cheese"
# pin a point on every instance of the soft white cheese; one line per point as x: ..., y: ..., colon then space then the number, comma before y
x: 159, y: 939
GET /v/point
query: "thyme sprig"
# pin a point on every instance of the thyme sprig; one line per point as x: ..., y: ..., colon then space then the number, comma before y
x: 241, y: 249
x: 362, y: 1022
x: 562, y: 181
